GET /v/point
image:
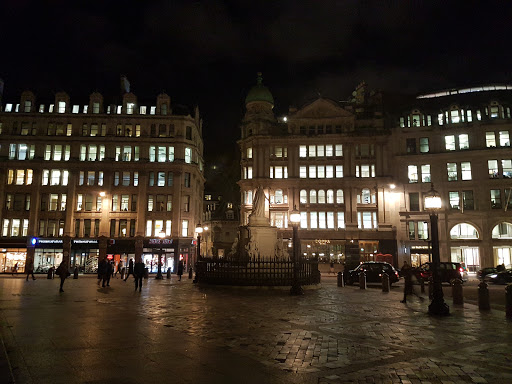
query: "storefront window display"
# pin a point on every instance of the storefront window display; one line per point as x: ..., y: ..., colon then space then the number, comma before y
x: 10, y: 257
x: 87, y: 260
x: 151, y: 261
x: 46, y: 258
x: 325, y: 251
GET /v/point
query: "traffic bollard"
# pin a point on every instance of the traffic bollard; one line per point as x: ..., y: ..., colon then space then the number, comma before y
x: 362, y: 280
x: 168, y: 273
x: 190, y: 273
x: 341, y: 283
x: 457, y: 295
x: 483, y: 297
x: 422, y: 285
x: 508, y: 301
x: 385, y: 282
x: 430, y: 288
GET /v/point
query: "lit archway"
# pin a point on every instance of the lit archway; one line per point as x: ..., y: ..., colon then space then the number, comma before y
x: 464, y: 231
x: 502, y: 231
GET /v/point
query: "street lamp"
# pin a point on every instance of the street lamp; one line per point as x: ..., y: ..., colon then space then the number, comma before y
x: 159, y: 276
x: 294, y: 221
x: 433, y: 206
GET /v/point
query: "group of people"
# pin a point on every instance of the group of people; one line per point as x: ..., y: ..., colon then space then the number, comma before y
x: 106, y: 271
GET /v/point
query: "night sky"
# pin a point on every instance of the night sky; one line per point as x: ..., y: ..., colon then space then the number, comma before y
x: 207, y: 53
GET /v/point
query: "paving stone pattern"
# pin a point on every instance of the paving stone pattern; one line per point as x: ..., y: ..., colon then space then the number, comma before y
x: 329, y: 335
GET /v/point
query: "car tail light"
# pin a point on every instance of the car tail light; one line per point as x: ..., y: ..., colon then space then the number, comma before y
x: 461, y: 269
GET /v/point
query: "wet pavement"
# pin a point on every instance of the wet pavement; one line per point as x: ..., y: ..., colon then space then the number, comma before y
x: 182, y: 333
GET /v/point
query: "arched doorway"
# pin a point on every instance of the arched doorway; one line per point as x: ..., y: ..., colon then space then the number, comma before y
x: 502, y: 252
x: 468, y: 255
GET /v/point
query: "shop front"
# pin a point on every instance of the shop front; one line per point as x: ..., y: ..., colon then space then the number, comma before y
x: 47, y: 253
x: 121, y: 250
x: 162, y: 249
x: 13, y: 254
x: 420, y: 254
x: 85, y: 255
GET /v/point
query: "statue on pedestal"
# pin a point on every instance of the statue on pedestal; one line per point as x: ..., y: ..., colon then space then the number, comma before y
x: 258, y: 203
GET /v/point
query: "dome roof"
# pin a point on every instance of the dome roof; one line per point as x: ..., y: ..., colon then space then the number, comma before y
x: 259, y: 92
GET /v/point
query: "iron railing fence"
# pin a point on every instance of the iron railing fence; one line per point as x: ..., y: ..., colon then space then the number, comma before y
x: 256, y: 271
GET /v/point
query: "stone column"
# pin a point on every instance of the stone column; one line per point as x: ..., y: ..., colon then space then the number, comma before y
x: 102, y: 248
x: 139, y: 246
x: 66, y: 250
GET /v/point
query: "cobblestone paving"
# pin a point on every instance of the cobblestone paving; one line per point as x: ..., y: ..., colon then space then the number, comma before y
x: 329, y: 335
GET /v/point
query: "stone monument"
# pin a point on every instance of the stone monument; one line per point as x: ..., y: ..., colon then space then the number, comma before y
x: 262, y: 238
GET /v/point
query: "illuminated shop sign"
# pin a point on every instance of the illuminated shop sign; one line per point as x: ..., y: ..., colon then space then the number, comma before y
x: 95, y: 242
x: 46, y: 241
x: 159, y: 241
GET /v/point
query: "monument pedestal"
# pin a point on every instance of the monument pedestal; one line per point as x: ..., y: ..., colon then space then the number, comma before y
x: 263, y: 240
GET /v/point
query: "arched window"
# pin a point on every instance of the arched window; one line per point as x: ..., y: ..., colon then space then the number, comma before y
x: 464, y: 231
x: 303, y: 196
x: 502, y: 231
x: 312, y: 196
x: 339, y: 197
x: 321, y: 196
x: 330, y: 196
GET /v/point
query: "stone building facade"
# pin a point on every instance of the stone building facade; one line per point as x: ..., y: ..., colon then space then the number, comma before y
x: 83, y: 182
x: 358, y: 171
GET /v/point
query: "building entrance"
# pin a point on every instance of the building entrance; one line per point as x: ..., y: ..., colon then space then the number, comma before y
x: 470, y: 256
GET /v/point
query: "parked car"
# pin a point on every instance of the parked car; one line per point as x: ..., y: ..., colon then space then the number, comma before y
x: 448, y: 270
x: 485, y: 271
x: 503, y: 277
x: 374, y: 271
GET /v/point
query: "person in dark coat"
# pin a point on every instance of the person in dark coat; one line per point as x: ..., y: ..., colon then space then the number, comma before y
x: 108, y: 274
x: 408, y: 274
x: 102, y: 270
x: 130, y: 269
x: 29, y: 270
x: 63, y: 273
x: 180, y: 269
x: 138, y: 272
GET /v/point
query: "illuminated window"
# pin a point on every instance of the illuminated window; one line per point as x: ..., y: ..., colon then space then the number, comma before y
x: 449, y: 142
x: 412, y: 173
x: 464, y: 231
x: 452, y: 171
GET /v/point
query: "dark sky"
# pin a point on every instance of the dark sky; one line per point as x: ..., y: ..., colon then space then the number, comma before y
x: 208, y: 52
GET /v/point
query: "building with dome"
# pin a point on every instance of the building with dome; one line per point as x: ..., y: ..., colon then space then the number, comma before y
x: 358, y: 171
x: 329, y: 160
x: 83, y: 182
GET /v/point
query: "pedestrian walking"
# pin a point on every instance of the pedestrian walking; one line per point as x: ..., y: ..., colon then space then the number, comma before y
x: 119, y: 269
x: 102, y: 270
x: 63, y: 273
x: 130, y: 269
x: 180, y: 269
x: 138, y: 273
x: 108, y: 274
x: 14, y: 269
x: 29, y: 270
x: 407, y: 272
x: 331, y: 267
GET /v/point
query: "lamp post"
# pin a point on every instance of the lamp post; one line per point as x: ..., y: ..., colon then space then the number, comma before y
x: 433, y: 205
x: 294, y: 221
x: 159, y: 276
x: 199, y: 230
x: 205, y: 229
